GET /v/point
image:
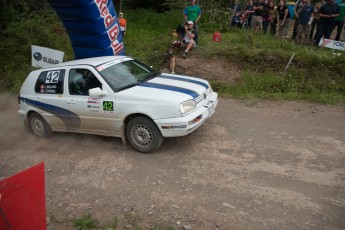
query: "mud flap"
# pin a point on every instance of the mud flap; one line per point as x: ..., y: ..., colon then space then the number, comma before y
x: 123, y: 136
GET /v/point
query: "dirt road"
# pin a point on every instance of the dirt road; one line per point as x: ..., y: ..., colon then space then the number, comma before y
x: 253, y: 165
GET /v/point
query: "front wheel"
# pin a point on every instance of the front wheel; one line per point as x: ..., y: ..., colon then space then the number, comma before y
x: 143, y: 134
x: 39, y: 126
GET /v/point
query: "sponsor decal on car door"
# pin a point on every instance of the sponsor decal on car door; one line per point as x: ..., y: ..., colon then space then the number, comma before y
x: 96, y: 114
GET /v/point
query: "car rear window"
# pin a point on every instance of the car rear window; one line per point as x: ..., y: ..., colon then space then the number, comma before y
x: 50, y: 82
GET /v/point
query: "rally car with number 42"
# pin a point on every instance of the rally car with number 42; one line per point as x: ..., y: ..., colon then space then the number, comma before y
x: 114, y: 96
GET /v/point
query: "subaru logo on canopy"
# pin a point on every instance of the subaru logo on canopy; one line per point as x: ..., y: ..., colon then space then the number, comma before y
x: 37, y: 56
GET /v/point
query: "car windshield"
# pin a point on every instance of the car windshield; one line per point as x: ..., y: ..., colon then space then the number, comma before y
x: 127, y: 74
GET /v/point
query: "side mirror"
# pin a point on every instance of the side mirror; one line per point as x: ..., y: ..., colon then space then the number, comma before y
x: 97, y: 92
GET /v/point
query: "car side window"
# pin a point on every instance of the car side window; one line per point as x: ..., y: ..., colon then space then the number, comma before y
x: 50, y: 82
x: 81, y: 80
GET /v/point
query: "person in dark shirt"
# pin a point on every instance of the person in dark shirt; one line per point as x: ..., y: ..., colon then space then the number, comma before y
x: 265, y: 16
x: 294, y: 31
x: 328, y: 12
x: 283, y: 19
x: 305, y: 14
x: 257, y: 17
x: 316, y: 20
x: 250, y: 12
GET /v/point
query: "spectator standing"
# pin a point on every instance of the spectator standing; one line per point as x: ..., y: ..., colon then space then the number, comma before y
x: 283, y: 19
x: 294, y: 32
x: 305, y: 15
x: 250, y: 12
x: 193, y: 13
x: 339, y: 21
x: 257, y: 17
x: 123, y: 23
x: 265, y: 16
x: 316, y: 19
x: 328, y: 12
x: 272, y: 10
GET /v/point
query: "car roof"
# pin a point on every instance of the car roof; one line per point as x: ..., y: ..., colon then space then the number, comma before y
x: 94, y: 61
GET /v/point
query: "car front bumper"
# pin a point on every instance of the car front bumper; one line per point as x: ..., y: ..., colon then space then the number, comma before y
x: 181, y: 126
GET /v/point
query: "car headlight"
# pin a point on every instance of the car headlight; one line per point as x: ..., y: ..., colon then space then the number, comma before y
x: 187, y: 106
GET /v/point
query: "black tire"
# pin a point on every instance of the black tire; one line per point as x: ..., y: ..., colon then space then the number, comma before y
x: 143, y: 134
x: 38, y: 126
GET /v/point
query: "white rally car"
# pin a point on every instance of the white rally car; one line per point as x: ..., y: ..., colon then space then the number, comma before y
x: 114, y: 96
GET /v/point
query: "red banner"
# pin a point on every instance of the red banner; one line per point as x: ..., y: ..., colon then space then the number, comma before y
x: 22, y: 200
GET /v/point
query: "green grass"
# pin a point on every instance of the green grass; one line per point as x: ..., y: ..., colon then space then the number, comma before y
x: 86, y: 222
x: 285, y: 86
x: 149, y: 35
x: 315, y: 74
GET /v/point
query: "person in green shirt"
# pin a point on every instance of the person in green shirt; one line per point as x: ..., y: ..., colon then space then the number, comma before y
x: 339, y: 21
x: 193, y: 13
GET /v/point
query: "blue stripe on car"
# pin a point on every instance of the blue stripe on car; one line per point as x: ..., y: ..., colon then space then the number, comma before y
x: 70, y: 119
x: 186, y: 80
x: 192, y: 93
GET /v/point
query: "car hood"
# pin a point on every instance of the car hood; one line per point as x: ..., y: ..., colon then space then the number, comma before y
x: 170, y: 86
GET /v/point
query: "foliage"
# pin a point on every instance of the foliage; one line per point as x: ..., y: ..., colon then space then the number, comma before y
x: 259, y: 52
x: 315, y: 74
x: 85, y: 222
x: 134, y: 4
x: 11, y: 11
x: 215, y: 17
x: 165, y: 5
x: 149, y: 34
x: 17, y: 41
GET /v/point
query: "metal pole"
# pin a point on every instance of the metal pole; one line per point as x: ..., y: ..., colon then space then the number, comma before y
x: 288, y: 64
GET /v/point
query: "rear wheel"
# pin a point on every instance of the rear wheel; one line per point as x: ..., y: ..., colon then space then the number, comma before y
x: 143, y: 134
x: 39, y: 126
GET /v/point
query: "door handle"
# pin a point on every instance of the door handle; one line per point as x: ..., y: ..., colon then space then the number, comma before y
x: 70, y: 102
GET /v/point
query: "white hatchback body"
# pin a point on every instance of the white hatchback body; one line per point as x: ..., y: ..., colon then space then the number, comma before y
x: 115, y: 96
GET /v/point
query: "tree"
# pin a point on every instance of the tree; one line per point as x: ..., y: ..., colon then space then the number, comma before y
x: 19, y: 9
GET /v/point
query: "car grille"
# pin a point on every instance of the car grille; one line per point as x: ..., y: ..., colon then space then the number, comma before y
x: 203, y: 96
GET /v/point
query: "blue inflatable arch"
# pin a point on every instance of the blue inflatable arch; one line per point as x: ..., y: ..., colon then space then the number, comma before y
x: 92, y: 26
